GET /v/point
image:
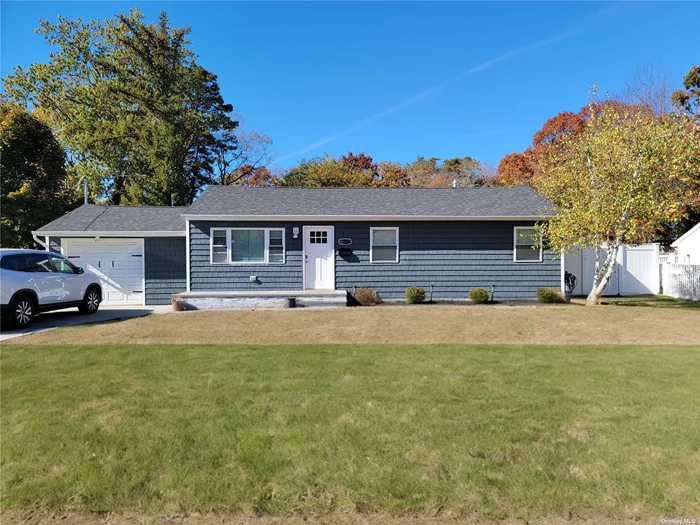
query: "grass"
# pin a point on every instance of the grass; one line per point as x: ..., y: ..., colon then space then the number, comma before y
x: 546, y: 324
x: 323, y: 429
x: 654, y: 301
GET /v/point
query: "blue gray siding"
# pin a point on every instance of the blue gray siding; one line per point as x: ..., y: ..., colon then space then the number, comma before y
x: 454, y: 257
x: 205, y: 276
x: 165, y: 266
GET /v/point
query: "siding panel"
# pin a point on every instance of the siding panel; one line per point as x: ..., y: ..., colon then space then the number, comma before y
x: 165, y: 268
x: 452, y: 256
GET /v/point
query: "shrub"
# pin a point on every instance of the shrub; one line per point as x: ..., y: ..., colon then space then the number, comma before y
x: 415, y: 294
x: 367, y: 296
x: 550, y: 295
x: 479, y: 295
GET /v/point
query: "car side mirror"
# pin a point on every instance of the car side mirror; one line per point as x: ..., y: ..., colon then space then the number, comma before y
x: 80, y: 270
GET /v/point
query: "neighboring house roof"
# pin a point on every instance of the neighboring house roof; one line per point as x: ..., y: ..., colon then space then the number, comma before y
x: 686, y: 236
x: 238, y: 202
x: 91, y: 219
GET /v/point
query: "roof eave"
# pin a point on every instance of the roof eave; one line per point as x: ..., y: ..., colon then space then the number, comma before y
x: 687, y: 234
x: 341, y: 218
x: 132, y: 233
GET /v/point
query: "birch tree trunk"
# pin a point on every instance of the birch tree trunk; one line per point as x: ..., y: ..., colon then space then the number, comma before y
x: 603, y: 274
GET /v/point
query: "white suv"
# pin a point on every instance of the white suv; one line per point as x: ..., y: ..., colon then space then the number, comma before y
x: 34, y: 281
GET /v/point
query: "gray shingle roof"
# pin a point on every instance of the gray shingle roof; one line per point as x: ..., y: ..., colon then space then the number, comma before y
x: 400, y: 202
x: 518, y: 202
x: 93, y: 218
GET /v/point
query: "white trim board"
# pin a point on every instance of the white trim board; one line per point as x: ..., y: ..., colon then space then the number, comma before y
x: 687, y: 234
x: 388, y: 218
x: 187, y: 253
x: 135, y: 234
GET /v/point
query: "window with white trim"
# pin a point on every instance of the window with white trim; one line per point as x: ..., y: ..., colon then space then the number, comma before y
x: 527, y: 244
x: 247, y: 246
x: 384, y: 245
x: 219, y: 246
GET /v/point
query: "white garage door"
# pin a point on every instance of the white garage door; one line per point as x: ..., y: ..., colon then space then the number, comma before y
x: 118, y: 263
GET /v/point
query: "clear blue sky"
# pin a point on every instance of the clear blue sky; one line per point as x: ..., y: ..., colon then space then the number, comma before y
x: 396, y: 80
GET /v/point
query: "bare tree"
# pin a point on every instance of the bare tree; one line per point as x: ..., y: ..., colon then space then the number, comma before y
x: 649, y: 87
x: 234, y: 165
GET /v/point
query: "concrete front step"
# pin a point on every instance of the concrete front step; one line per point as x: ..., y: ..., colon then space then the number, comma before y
x: 246, y: 300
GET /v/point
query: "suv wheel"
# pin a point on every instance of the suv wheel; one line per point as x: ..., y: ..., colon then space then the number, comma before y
x: 91, y: 302
x: 22, y: 310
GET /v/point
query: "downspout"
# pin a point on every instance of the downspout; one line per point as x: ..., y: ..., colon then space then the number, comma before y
x: 40, y: 242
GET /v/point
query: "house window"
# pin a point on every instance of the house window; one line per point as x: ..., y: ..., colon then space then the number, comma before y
x: 527, y: 245
x: 219, y: 250
x: 247, y: 246
x: 318, y: 237
x: 384, y: 245
x: 276, y: 246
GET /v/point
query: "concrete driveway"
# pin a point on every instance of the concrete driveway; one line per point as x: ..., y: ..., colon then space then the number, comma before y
x: 71, y: 317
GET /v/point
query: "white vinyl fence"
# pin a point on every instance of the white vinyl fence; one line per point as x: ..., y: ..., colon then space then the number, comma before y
x: 681, y: 281
x: 636, y: 270
x: 673, y: 258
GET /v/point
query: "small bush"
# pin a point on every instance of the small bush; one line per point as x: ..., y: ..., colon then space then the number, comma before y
x: 367, y: 296
x: 550, y: 295
x: 479, y: 295
x: 415, y: 294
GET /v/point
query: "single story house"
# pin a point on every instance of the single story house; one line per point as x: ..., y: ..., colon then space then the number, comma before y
x: 241, y: 239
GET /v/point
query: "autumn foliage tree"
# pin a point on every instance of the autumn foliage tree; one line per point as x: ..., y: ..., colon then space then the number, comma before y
x: 360, y: 170
x: 517, y: 169
x: 617, y: 181
x: 688, y: 100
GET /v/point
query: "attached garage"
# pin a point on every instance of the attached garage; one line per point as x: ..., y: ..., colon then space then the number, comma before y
x: 119, y: 263
x: 139, y: 253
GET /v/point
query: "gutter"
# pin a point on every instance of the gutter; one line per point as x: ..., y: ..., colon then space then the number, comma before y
x: 127, y: 234
x: 343, y: 218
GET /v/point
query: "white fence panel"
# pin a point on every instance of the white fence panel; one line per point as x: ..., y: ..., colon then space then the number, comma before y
x: 681, y: 281
x: 673, y: 258
x: 639, y: 269
x: 636, y: 270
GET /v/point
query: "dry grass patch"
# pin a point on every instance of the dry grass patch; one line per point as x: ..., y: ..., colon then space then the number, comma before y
x: 570, y: 324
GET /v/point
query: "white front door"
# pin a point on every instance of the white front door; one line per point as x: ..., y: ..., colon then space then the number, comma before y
x: 319, y: 258
x: 118, y: 263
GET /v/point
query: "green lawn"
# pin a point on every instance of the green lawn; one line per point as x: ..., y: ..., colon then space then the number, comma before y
x: 497, y: 430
